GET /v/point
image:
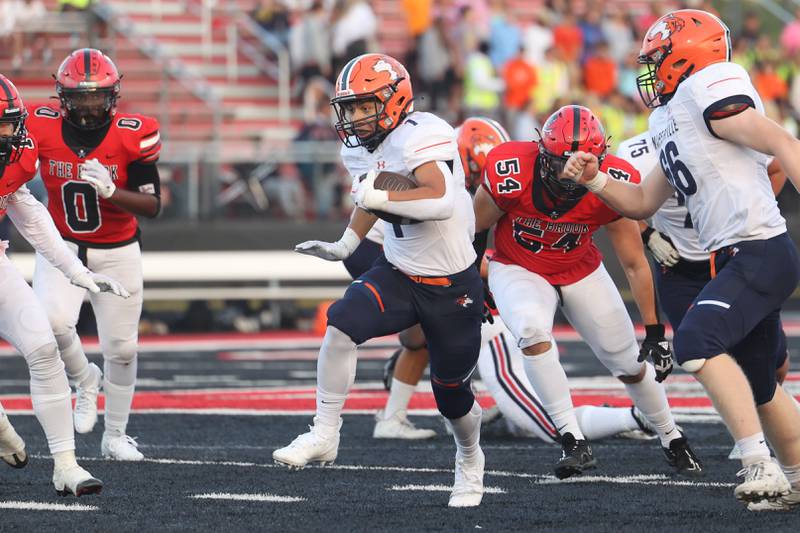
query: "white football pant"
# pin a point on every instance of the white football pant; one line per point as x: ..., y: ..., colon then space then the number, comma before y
x: 117, y: 323
x: 23, y: 323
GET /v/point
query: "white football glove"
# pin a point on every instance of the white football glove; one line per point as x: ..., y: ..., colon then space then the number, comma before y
x: 663, y: 251
x: 95, y: 173
x: 331, y: 251
x: 96, y: 283
x: 366, y: 196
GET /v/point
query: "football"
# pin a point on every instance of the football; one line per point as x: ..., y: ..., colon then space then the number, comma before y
x: 392, y: 181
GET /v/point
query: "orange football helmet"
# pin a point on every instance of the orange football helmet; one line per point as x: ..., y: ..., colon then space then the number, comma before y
x: 476, y: 137
x: 12, y: 111
x: 676, y: 46
x: 375, y: 77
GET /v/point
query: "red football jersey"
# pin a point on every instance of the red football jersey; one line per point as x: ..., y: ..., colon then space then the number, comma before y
x: 557, y: 246
x: 19, y: 173
x: 78, y: 212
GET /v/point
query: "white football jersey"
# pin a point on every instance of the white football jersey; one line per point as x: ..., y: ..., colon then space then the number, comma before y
x: 725, y: 185
x: 434, y: 247
x: 375, y: 233
x: 672, y: 218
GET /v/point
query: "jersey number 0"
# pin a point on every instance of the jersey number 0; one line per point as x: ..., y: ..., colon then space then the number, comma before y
x: 81, y: 206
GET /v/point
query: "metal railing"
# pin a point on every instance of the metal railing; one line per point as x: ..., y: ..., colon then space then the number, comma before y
x: 172, y: 70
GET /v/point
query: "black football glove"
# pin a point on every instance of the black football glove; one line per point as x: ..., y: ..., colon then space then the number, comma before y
x: 488, y: 304
x: 656, y: 347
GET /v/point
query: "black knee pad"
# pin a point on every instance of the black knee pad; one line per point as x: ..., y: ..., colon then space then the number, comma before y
x: 453, y: 399
x: 413, y: 338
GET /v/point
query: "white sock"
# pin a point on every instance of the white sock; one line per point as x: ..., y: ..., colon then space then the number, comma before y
x: 336, y: 372
x: 467, y: 432
x: 65, y: 459
x: 754, y: 449
x: 601, y: 422
x: 651, y: 399
x: 75, y: 361
x: 119, y: 384
x: 793, y: 475
x: 549, y: 380
x: 50, y: 396
x: 399, y: 396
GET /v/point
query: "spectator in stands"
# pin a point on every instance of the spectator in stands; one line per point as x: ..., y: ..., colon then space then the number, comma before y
x: 554, y: 81
x: 751, y: 29
x: 419, y: 18
x: 600, y: 71
x: 273, y: 17
x: 354, y: 29
x: 309, y: 45
x: 568, y: 39
x: 481, y: 84
x: 322, y: 179
x: 520, y: 79
x: 629, y: 70
x: 769, y: 84
x: 790, y: 36
x: 537, y: 38
x: 28, y: 41
x: 618, y: 33
x: 8, y: 18
x: 505, y: 37
x: 436, y: 71
x: 591, y: 30
x: 285, y: 189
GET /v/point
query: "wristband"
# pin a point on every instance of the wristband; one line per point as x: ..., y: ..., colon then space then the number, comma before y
x: 350, y: 239
x: 646, y: 235
x: 654, y: 331
x: 597, y: 183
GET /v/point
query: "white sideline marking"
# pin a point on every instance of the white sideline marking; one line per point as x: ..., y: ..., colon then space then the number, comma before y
x: 247, y: 497
x: 39, y: 506
x: 441, y: 488
x: 643, y: 479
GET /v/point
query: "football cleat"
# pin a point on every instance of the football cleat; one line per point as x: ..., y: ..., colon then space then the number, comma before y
x: 76, y: 481
x: 12, y: 447
x: 398, y: 426
x: 120, y: 448
x: 319, y: 445
x: 576, y: 456
x: 762, y: 480
x: 682, y: 458
x: 788, y: 502
x: 468, y: 485
x: 85, y: 413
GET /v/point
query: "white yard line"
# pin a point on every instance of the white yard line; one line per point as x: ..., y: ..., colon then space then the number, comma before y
x: 441, y: 488
x: 248, y: 497
x: 39, y: 506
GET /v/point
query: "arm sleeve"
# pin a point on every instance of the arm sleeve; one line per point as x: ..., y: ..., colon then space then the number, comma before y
x: 430, y: 208
x: 34, y: 223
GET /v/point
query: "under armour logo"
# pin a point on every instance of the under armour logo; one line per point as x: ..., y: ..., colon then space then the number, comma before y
x: 381, y: 165
x: 464, y: 301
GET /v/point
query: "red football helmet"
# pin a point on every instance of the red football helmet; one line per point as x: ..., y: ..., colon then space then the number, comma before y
x: 87, y: 83
x: 676, y: 46
x: 374, y: 77
x: 12, y: 111
x: 571, y: 129
x: 476, y: 137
